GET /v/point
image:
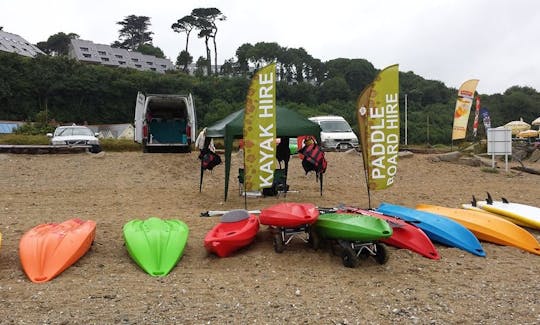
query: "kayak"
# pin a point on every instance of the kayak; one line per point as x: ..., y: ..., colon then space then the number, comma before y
x: 352, y: 227
x: 236, y: 230
x: 48, y: 249
x: 289, y: 215
x: 525, y: 215
x: 404, y: 235
x: 488, y: 227
x: 156, y: 245
x: 289, y: 220
x: 437, y: 228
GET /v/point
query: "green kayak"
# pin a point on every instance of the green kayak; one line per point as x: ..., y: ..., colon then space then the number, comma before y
x: 352, y: 227
x: 156, y: 245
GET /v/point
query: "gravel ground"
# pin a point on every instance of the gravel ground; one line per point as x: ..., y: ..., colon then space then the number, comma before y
x: 256, y: 285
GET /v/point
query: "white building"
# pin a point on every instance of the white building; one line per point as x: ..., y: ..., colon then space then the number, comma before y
x: 13, y: 43
x: 87, y: 51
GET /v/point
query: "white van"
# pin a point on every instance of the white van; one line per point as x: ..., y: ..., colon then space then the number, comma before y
x: 336, y: 133
x: 165, y: 121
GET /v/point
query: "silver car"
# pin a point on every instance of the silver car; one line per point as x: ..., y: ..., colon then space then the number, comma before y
x: 75, y: 135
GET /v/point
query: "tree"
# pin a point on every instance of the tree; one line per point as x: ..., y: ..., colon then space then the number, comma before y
x: 206, y: 21
x: 57, y: 44
x: 184, y: 59
x: 134, y: 32
x: 185, y: 25
x: 206, y: 33
x: 200, y: 65
x: 150, y: 49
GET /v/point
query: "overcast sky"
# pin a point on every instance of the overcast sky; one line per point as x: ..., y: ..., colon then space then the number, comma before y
x: 495, y: 41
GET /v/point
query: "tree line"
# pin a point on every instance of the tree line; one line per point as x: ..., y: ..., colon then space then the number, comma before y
x: 68, y: 91
x: 65, y: 90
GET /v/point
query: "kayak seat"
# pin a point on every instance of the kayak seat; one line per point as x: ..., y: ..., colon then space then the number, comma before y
x: 235, y: 215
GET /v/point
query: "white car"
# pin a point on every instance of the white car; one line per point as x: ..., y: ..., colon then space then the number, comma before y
x: 336, y: 133
x: 75, y: 135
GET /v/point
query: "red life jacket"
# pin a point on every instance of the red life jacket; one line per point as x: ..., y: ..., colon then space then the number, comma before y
x: 313, y: 158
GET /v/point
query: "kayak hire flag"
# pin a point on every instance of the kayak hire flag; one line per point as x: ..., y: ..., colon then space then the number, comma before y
x: 377, y: 110
x: 476, y: 114
x: 260, y: 130
x: 463, y: 108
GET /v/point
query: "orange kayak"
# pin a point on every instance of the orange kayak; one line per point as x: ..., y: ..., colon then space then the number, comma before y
x: 48, y: 249
x: 488, y: 227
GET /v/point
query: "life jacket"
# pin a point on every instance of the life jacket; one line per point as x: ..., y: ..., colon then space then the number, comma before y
x: 209, y: 159
x: 313, y: 158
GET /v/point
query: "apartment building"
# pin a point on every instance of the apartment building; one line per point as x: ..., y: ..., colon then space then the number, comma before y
x: 87, y: 51
x: 13, y: 43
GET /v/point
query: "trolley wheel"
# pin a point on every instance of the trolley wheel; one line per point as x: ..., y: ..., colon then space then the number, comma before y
x: 314, y: 239
x: 349, y: 258
x: 382, y: 253
x: 279, y: 245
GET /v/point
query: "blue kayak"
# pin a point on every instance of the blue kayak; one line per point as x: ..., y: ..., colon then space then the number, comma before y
x: 438, y: 228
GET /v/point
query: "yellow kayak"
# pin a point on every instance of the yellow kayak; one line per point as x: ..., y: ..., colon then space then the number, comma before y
x: 488, y: 227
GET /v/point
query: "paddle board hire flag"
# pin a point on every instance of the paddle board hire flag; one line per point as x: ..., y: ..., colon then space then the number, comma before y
x: 260, y: 130
x: 377, y: 110
x: 463, y: 108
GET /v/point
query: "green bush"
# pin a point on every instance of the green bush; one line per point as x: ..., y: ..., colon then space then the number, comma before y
x: 119, y: 145
x: 24, y: 139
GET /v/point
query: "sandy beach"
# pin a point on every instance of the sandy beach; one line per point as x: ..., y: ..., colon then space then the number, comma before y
x: 255, y: 285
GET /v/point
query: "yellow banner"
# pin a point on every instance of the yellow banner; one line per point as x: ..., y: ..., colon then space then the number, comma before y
x: 260, y: 130
x: 463, y: 108
x: 378, y: 123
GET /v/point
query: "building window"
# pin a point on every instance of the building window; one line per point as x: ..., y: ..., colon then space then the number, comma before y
x: 134, y: 59
x: 84, y: 49
x: 149, y: 63
x: 163, y: 66
x: 87, y: 55
x: 118, y: 56
x: 102, y: 53
x: 138, y: 66
x: 153, y: 69
x: 105, y: 59
x: 122, y: 62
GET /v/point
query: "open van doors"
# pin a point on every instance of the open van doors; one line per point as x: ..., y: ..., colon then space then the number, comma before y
x: 139, y: 117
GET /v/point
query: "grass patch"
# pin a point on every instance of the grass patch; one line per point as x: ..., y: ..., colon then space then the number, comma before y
x: 489, y: 170
x: 23, y: 139
x: 119, y: 145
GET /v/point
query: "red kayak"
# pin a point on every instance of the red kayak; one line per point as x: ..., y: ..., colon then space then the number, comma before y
x: 290, y: 220
x: 237, y: 229
x: 404, y: 234
x: 48, y: 249
x: 289, y: 215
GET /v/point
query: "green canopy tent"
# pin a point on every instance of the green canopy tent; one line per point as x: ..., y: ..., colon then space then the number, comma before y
x: 288, y: 124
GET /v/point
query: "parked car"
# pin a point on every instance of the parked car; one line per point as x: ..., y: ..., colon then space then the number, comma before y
x: 75, y: 135
x: 336, y: 133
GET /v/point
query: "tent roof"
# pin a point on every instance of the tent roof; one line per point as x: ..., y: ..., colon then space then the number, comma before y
x: 288, y: 123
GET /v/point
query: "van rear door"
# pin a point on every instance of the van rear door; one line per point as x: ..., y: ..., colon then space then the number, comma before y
x: 192, y: 118
x: 139, y: 117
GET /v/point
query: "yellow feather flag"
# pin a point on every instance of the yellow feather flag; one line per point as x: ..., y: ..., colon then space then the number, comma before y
x: 260, y: 130
x: 377, y: 110
x: 463, y: 108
